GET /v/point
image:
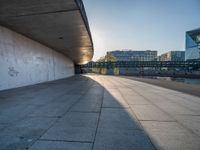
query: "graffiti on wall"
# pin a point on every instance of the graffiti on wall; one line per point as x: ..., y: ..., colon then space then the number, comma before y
x: 12, y: 72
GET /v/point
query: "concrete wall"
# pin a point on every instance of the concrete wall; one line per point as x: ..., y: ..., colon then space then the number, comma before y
x: 24, y: 61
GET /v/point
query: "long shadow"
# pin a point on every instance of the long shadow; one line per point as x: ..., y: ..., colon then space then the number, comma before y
x: 75, y: 113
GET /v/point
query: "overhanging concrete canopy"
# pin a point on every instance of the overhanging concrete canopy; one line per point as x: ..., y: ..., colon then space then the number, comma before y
x: 59, y: 24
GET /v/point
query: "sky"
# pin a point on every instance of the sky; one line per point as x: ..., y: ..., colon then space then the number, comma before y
x: 141, y: 24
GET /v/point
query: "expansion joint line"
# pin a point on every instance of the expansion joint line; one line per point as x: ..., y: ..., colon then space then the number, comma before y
x: 68, y: 110
x: 98, y: 117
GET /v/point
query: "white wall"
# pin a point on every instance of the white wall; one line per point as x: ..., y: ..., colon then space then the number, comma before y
x: 25, y: 62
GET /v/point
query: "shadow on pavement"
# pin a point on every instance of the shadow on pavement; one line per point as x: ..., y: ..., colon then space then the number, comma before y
x: 80, y: 112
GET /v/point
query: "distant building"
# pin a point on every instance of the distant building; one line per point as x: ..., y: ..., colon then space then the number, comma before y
x: 192, y: 51
x: 173, y: 56
x: 131, y: 55
x: 159, y: 58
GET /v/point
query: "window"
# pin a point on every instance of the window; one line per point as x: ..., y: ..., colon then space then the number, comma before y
x: 198, y: 38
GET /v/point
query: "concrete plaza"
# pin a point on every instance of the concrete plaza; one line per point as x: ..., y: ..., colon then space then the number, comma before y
x: 95, y: 112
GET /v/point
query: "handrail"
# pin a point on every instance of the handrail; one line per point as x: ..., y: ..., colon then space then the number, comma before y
x: 121, y: 64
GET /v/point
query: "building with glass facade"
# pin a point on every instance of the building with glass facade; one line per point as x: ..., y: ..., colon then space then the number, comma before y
x: 192, y: 51
x: 130, y: 55
x: 173, y: 56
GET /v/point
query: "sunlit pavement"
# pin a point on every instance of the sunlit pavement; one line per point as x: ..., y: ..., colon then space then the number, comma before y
x: 100, y: 113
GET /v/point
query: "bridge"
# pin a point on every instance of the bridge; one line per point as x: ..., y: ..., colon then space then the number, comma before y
x: 142, y: 64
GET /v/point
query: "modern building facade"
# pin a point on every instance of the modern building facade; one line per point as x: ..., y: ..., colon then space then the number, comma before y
x: 192, y: 51
x: 42, y: 41
x: 130, y: 55
x: 173, y: 56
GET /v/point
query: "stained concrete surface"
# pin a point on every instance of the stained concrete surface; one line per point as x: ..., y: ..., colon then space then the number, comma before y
x: 25, y: 62
x: 95, y: 112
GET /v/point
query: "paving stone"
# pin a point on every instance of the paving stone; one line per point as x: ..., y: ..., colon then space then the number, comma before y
x: 3, y: 126
x: 64, y: 114
x: 53, y: 109
x: 127, y: 91
x: 58, y: 145
x: 154, y: 98
x: 24, y: 133
x: 89, y: 103
x: 187, y: 103
x: 9, y: 142
x: 175, y: 109
x: 150, y: 112
x: 75, y: 126
x: 67, y: 98
x: 136, y: 99
x: 170, y: 135
x: 114, y: 100
x: 189, y: 97
x: 190, y: 122
x: 118, y: 118
x: 95, y: 90
x: 16, y: 113
x: 114, y: 139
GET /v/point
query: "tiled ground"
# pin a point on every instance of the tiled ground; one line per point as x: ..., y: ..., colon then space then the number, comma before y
x: 96, y: 112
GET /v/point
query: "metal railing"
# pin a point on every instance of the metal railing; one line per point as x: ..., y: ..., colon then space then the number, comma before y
x: 139, y: 64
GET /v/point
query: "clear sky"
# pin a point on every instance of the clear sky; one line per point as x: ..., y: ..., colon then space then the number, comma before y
x: 141, y: 24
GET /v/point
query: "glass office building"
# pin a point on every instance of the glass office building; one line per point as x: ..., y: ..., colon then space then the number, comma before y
x: 192, y: 51
x: 130, y: 55
x: 173, y: 56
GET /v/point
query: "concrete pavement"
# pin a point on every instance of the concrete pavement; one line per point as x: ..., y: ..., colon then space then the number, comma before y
x: 187, y: 88
x: 96, y: 112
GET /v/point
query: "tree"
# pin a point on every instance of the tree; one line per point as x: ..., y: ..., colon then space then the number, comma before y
x: 108, y: 57
x: 101, y: 59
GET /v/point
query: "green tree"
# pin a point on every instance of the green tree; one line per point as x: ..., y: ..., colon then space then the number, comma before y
x: 101, y: 59
x: 108, y: 57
